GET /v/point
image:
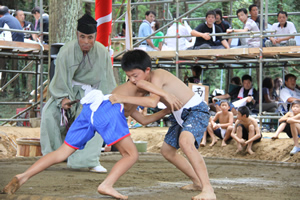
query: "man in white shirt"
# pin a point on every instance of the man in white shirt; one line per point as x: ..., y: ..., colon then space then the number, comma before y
x: 282, y: 27
x: 170, y: 43
x: 249, y: 25
x: 290, y: 93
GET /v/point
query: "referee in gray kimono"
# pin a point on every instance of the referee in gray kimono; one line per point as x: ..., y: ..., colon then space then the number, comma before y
x: 81, y: 65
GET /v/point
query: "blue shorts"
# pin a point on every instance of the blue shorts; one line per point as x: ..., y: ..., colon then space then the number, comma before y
x: 108, y: 120
x: 195, y: 121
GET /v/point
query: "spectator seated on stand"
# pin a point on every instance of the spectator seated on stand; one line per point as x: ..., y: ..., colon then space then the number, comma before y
x: 282, y: 27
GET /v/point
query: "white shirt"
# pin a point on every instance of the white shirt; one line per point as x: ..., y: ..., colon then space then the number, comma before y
x: 286, y: 93
x: 170, y: 43
x: 289, y: 28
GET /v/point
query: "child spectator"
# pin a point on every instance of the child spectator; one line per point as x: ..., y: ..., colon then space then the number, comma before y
x: 246, y: 130
x: 223, y: 128
x: 290, y: 123
x: 159, y: 41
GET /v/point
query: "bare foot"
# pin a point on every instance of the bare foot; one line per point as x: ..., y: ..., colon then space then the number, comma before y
x: 191, y: 187
x: 223, y: 143
x: 250, y: 151
x: 239, y: 149
x: 213, y: 142
x: 205, y: 196
x: 202, y: 144
x: 274, y: 137
x: 12, y: 186
x: 111, y: 192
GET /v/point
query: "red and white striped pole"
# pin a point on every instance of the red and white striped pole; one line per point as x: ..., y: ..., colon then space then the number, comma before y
x: 103, y: 15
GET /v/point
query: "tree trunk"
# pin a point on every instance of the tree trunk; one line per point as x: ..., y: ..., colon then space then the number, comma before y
x: 63, y: 17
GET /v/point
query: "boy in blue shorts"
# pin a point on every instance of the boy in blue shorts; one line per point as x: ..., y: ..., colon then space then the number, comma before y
x: 99, y: 114
x: 188, y: 123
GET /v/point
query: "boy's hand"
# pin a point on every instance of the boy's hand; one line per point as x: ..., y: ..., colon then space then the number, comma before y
x: 174, y: 102
x: 216, y: 126
x: 115, y: 98
x: 242, y: 141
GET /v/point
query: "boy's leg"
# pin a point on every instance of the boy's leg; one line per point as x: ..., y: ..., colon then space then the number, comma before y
x: 57, y: 156
x: 187, y: 145
x: 295, y: 129
x: 210, y: 131
x: 227, y: 135
x: 251, y: 134
x: 170, y: 154
x: 279, y: 130
x: 203, y: 142
x: 129, y: 156
x: 239, y: 134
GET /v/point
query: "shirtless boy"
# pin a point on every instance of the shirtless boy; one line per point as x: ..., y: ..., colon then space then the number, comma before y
x: 110, y: 121
x: 246, y: 130
x: 290, y: 123
x: 188, y: 123
x: 222, y: 129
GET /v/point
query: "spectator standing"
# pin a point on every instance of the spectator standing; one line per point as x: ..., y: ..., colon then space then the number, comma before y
x: 249, y: 25
x: 196, y: 70
x: 159, y: 41
x: 282, y: 27
x: 145, y: 30
x: 12, y: 22
x: 224, y: 25
x: 37, y: 15
x: 26, y: 25
x: 253, y: 11
x: 204, y: 40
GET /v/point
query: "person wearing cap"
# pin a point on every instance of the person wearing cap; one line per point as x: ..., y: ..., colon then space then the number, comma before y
x: 81, y: 66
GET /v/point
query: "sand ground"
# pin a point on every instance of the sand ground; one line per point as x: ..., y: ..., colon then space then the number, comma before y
x: 268, y: 174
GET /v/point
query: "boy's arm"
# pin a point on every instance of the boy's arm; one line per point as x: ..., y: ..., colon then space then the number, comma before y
x: 285, y: 117
x: 257, y: 132
x: 149, y: 101
x: 230, y: 122
x: 294, y: 119
x: 146, y: 119
x: 233, y: 135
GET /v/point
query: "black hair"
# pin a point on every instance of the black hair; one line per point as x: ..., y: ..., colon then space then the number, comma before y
x: 197, y: 69
x: 124, y: 26
x: 218, y: 12
x: 135, y: 59
x: 224, y: 101
x: 244, y: 10
x: 268, y: 83
x: 236, y: 80
x: 35, y: 10
x: 247, y: 77
x: 287, y: 76
x: 295, y: 102
x: 251, y: 6
x: 3, y: 10
x: 282, y: 12
x: 244, y: 110
x: 149, y: 12
x: 211, y: 12
x: 156, y: 25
